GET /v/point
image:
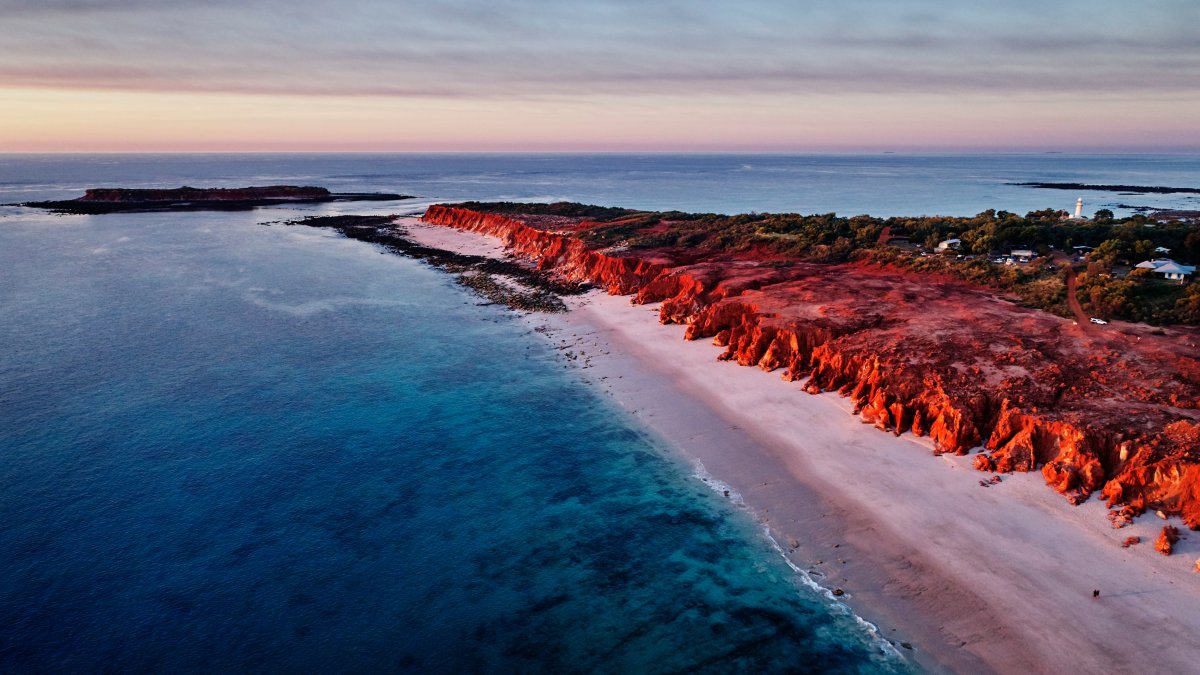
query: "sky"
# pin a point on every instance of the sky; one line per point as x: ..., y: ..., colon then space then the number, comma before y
x: 599, y: 75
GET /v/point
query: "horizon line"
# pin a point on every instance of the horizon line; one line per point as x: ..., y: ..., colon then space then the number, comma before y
x: 954, y: 150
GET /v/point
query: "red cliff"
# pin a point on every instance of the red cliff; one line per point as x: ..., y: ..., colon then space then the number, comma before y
x: 1114, y: 412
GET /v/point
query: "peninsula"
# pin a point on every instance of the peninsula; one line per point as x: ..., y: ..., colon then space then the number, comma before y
x: 986, y: 374
x: 1112, y: 409
x: 130, y: 200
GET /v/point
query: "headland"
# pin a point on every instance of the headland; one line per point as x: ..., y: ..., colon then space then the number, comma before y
x: 1108, y: 409
x: 941, y: 531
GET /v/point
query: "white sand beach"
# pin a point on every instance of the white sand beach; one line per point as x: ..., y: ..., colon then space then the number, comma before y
x: 450, y: 239
x: 977, y: 579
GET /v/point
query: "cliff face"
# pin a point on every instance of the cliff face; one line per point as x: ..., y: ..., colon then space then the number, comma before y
x: 1112, y: 412
x: 552, y: 250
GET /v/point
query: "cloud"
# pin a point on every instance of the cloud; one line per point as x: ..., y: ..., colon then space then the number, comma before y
x: 17, y: 8
x: 526, y: 49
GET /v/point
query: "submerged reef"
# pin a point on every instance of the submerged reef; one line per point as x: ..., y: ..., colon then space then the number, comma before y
x: 505, y: 282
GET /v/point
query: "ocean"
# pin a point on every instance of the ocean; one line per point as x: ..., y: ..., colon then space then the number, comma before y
x: 880, y: 185
x: 232, y: 445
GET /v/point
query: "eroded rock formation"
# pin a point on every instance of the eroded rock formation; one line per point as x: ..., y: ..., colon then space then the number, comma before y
x: 1166, y: 541
x: 1113, y: 411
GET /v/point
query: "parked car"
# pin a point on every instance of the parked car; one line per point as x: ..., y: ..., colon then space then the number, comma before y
x: 1102, y: 322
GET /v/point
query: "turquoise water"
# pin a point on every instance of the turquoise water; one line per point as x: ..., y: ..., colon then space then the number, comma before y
x: 230, y: 447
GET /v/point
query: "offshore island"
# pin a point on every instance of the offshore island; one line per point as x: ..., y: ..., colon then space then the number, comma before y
x: 97, y: 201
x: 986, y: 347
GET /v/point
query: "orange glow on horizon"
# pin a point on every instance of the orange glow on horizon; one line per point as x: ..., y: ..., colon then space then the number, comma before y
x: 47, y: 120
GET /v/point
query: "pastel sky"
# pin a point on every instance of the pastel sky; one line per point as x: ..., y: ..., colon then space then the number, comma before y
x: 694, y: 75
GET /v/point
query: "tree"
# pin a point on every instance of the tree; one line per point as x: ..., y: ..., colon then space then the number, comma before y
x: 1143, y: 249
x: 1187, y: 308
x: 1191, y: 245
x: 1107, y: 251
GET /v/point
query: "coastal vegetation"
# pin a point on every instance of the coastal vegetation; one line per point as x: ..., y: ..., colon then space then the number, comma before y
x: 1109, y: 286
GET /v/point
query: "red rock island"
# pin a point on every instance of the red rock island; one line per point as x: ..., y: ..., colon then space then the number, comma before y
x: 1110, y: 409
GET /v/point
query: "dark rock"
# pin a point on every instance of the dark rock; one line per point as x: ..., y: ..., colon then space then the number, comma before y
x: 97, y: 201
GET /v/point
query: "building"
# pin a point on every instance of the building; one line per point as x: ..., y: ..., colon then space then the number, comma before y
x: 903, y: 243
x: 1078, y: 209
x: 1175, y: 271
x: 1023, y: 255
x: 949, y: 245
x: 1168, y: 268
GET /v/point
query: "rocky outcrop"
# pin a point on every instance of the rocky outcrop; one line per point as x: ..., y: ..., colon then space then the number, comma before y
x: 503, y: 282
x: 1165, y: 544
x: 553, y: 250
x: 1159, y: 472
x: 186, y: 193
x: 129, y: 200
x: 1113, y: 412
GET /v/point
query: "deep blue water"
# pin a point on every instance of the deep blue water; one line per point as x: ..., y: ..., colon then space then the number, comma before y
x: 230, y: 447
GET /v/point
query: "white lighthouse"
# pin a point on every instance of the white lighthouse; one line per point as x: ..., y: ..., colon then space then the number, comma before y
x: 1079, y: 209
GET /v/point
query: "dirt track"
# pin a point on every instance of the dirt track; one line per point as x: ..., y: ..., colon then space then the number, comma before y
x: 1077, y: 309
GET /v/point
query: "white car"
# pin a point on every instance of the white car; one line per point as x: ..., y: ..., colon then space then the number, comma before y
x: 1102, y: 322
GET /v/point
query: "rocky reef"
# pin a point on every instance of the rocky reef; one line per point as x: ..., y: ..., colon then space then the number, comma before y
x: 504, y: 282
x: 125, y: 200
x: 1132, y: 189
x: 1187, y: 216
x: 1114, y: 411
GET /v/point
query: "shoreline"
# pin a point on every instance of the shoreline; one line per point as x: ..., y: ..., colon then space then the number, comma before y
x: 976, y: 580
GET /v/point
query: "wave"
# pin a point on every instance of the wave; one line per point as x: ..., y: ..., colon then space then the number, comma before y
x: 874, y: 637
x: 312, y: 307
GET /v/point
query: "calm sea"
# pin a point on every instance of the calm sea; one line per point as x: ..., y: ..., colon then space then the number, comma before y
x: 882, y: 185
x: 230, y: 447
